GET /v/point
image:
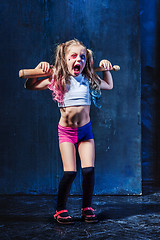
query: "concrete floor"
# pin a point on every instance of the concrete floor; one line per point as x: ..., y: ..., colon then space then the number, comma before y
x: 120, y: 217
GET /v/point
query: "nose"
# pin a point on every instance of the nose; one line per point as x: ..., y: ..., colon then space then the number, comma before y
x: 78, y: 58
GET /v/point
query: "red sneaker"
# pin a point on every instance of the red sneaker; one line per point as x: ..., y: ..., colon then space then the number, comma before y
x: 63, y: 217
x: 88, y: 215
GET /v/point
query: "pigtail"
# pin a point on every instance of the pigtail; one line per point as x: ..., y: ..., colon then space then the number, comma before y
x: 89, y: 61
x: 93, y: 78
x: 61, y: 70
x: 89, y: 71
x: 60, y: 75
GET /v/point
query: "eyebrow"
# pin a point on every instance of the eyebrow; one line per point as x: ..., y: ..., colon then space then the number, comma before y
x: 76, y: 53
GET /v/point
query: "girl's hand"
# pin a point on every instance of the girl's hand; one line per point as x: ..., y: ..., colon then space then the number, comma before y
x: 105, y: 64
x: 45, y: 66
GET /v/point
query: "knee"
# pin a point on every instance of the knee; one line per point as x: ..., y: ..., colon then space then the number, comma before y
x: 87, y: 171
x: 88, y: 177
x: 69, y: 175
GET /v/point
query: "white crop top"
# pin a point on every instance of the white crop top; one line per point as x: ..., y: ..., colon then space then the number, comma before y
x: 78, y: 92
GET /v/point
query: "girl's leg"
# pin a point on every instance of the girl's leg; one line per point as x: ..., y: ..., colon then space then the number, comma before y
x: 87, y: 155
x: 68, y: 154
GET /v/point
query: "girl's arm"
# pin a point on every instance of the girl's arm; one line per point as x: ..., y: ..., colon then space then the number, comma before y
x: 34, y: 83
x: 107, y: 82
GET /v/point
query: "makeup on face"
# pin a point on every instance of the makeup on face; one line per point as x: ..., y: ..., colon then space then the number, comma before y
x: 74, y: 56
x: 76, y: 59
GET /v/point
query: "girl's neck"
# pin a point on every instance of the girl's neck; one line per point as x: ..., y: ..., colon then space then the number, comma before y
x: 78, y: 77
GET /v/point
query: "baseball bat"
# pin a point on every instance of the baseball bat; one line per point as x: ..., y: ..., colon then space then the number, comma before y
x: 36, y: 73
x: 33, y: 73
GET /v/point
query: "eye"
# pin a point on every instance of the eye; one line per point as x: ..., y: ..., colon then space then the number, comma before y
x: 83, y: 57
x: 73, y: 55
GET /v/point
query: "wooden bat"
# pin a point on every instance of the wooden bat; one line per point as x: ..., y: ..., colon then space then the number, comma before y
x: 33, y: 73
x: 36, y: 73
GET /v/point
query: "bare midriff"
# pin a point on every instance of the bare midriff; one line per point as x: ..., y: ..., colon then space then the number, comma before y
x: 75, y: 116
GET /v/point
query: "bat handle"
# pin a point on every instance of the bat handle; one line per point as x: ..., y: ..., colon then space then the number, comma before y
x: 33, y: 73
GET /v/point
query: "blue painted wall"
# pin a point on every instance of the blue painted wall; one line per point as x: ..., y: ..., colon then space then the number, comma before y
x: 30, y: 159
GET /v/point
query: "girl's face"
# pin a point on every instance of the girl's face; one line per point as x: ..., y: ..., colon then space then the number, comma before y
x: 76, y: 59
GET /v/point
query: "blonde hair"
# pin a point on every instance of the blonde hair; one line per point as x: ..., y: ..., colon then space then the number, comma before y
x: 61, y: 74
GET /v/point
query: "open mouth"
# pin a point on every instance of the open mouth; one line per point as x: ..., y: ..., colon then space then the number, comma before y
x: 76, y: 68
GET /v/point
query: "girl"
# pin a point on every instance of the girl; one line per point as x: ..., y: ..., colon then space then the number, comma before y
x: 73, y: 83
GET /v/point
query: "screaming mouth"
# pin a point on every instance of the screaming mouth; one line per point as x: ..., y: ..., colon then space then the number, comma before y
x: 77, y: 68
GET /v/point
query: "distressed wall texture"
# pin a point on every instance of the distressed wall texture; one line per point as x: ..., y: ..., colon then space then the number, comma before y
x: 30, y: 159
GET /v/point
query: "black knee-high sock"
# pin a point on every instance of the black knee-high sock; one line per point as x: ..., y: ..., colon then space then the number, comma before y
x: 64, y: 189
x: 87, y: 185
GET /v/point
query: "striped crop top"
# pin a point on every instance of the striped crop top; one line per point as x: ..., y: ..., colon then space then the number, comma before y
x: 78, y: 92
